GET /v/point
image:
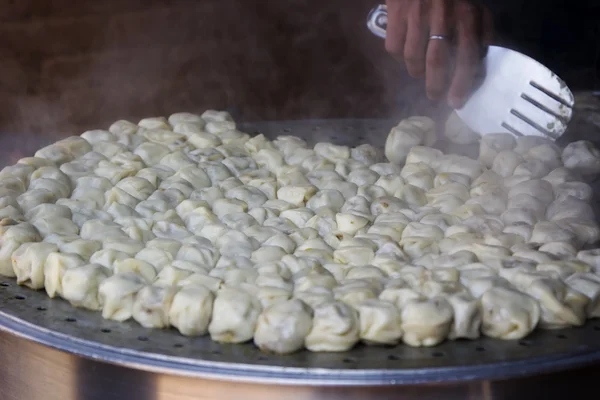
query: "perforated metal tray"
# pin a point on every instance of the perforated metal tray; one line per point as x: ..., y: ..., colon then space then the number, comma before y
x: 32, y: 315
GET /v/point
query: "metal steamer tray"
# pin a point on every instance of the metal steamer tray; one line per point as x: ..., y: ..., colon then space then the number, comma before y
x: 53, y: 351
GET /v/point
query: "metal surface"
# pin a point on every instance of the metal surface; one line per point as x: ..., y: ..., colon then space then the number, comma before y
x: 516, y: 95
x: 128, y: 361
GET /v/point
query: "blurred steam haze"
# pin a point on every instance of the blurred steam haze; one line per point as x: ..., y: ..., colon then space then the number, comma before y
x: 70, y: 65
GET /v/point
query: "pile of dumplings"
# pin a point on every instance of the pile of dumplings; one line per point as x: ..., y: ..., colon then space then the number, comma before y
x: 188, y: 223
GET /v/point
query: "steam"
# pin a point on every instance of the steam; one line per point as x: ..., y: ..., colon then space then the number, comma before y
x: 262, y: 60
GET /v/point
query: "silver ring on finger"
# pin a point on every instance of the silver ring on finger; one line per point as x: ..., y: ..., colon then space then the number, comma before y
x: 439, y: 37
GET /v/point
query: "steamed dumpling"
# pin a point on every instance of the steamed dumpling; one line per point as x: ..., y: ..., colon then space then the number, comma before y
x: 191, y: 310
x: 414, y: 131
x: 238, y: 313
x: 283, y: 327
x: 508, y: 314
x: 426, y: 322
x: 152, y: 304
x: 117, y: 295
x: 81, y: 285
x: 335, y: 328
x: 380, y: 322
x: 28, y: 263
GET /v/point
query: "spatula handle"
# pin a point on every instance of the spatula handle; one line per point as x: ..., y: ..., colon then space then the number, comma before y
x: 377, y: 21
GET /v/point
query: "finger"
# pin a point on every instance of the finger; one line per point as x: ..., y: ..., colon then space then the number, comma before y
x: 415, y: 47
x: 438, y: 51
x: 467, y: 53
x: 396, y: 28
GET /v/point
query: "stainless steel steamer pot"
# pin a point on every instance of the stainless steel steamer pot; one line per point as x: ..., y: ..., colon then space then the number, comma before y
x: 51, y: 351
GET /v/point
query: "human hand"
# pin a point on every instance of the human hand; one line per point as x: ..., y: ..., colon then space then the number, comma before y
x: 443, y: 41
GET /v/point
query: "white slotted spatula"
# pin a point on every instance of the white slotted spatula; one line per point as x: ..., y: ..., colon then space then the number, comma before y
x: 518, y: 94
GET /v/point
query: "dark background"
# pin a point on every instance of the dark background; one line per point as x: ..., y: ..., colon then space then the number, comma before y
x: 71, y: 65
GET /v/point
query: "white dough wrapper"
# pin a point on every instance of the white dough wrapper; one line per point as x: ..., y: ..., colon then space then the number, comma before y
x: 171, y: 275
x: 191, y: 310
x: 589, y: 285
x: 152, y: 304
x: 492, y: 144
x: 283, y: 327
x: 582, y: 157
x: 212, y: 283
x: 426, y: 322
x: 80, y: 285
x: 315, y: 296
x: 590, y: 257
x: 335, y: 328
x: 117, y: 294
x: 142, y: 268
x: 410, y: 132
x: 13, y: 235
x: 380, y: 322
x: 400, y: 295
x: 563, y: 250
x: 467, y: 316
x: 508, y: 314
x: 235, y: 314
x: 54, y: 269
x: 561, y: 306
x: 28, y: 263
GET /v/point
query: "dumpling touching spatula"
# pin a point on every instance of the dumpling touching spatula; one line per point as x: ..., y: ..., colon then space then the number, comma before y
x: 518, y: 95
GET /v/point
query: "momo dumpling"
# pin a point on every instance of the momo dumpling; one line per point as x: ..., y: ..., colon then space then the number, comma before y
x: 238, y: 313
x: 28, y: 263
x: 582, y: 157
x: 587, y: 284
x: 283, y: 327
x: 336, y: 328
x: 54, y: 269
x: 171, y: 275
x: 117, y: 295
x: 561, y: 306
x: 191, y: 310
x: 467, y: 316
x: 380, y: 322
x: 414, y: 131
x: 492, y: 144
x: 152, y: 305
x: 508, y: 314
x: 80, y: 285
x: 426, y: 322
x: 143, y: 269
